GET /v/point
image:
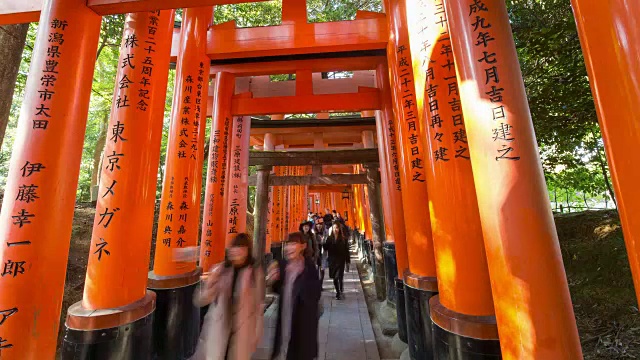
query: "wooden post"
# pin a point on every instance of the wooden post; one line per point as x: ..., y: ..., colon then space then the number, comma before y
x: 463, y: 276
x: 261, y: 213
x: 39, y: 197
x: 377, y: 230
x: 269, y: 145
x: 396, y: 245
x: 615, y: 84
x: 175, y: 276
x: 420, y: 281
x: 133, y: 153
x: 212, y: 241
x: 512, y: 196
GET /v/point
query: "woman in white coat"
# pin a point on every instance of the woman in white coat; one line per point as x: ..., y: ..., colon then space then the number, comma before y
x: 233, y: 325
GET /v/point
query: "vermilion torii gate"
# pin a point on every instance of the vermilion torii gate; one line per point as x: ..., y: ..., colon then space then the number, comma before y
x: 477, y: 253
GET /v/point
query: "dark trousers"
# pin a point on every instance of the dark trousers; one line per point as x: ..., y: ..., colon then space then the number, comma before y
x: 338, y: 280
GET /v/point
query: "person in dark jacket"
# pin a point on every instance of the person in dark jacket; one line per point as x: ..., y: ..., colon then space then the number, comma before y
x: 327, y: 218
x: 337, y: 246
x: 320, y: 237
x: 296, y: 280
x: 312, y: 251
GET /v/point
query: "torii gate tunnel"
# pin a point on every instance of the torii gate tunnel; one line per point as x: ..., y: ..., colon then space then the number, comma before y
x: 477, y: 271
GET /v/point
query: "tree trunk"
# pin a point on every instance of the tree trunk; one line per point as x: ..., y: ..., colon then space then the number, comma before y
x: 97, y: 151
x: 12, y: 38
x: 605, y: 173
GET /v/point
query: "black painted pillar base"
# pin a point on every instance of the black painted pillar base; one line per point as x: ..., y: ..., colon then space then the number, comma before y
x: 401, y: 310
x: 112, y: 334
x: 276, y: 250
x: 176, y: 326
x: 417, y: 292
x: 371, y: 256
x: 458, y: 336
x: 391, y: 271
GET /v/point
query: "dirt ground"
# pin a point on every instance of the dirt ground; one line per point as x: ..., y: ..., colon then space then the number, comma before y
x: 595, y: 259
x: 600, y: 282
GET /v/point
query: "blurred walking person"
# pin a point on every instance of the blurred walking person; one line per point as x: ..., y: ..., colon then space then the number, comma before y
x: 233, y: 325
x: 296, y: 280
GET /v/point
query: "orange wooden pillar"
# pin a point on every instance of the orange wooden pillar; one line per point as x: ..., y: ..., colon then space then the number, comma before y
x: 39, y: 200
x: 420, y: 280
x: 236, y: 211
x: 396, y: 259
x: 532, y: 302
x: 175, y: 276
x: 262, y: 200
x: 615, y: 83
x: 269, y: 145
x: 286, y: 208
x: 127, y: 196
x: 463, y: 279
x: 212, y: 241
x: 276, y: 213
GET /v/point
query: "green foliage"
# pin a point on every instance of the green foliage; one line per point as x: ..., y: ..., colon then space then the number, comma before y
x: 265, y: 13
x: 337, y: 10
x: 560, y: 99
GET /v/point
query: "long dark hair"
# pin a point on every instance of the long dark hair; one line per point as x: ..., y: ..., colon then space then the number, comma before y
x: 240, y: 240
x: 342, y: 234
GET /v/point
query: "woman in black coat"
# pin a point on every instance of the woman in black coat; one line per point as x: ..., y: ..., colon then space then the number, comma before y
x: 337, y: 246
x: 296, y: 281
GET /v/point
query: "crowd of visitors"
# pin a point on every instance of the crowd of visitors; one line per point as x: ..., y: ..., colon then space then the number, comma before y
x: 232, y: 292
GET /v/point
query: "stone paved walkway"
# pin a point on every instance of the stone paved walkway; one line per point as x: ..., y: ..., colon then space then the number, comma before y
x: 345, y: 331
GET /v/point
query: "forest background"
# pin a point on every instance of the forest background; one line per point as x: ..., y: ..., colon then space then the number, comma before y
x: 548, y: 48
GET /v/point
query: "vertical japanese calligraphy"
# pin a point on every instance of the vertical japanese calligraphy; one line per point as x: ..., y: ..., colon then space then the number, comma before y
x: 484, y: 37
x: 132, y: 158
x: 238, y: 177
x: 458, y: 237
x: 276, y: 232
x: 213, y: 224
x: 410, y: 130
x: 39, y: 198
x: 180, y: 208
x: 512, y: 198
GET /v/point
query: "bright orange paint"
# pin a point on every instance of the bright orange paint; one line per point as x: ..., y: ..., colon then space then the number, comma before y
x: 236, y: 211
x: 300, y: 37
x: 127, y: 191
x: 412, y: 154
x: 348, y: 102
x: 532, y: 303
x: 40, y: 194
x: 390, y: 169
x: 214, y: 219
x: 613, y: 66
x: 276, y: 210
x: 290, y: 66
x: 463, y: 276
x: 180, y: 204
